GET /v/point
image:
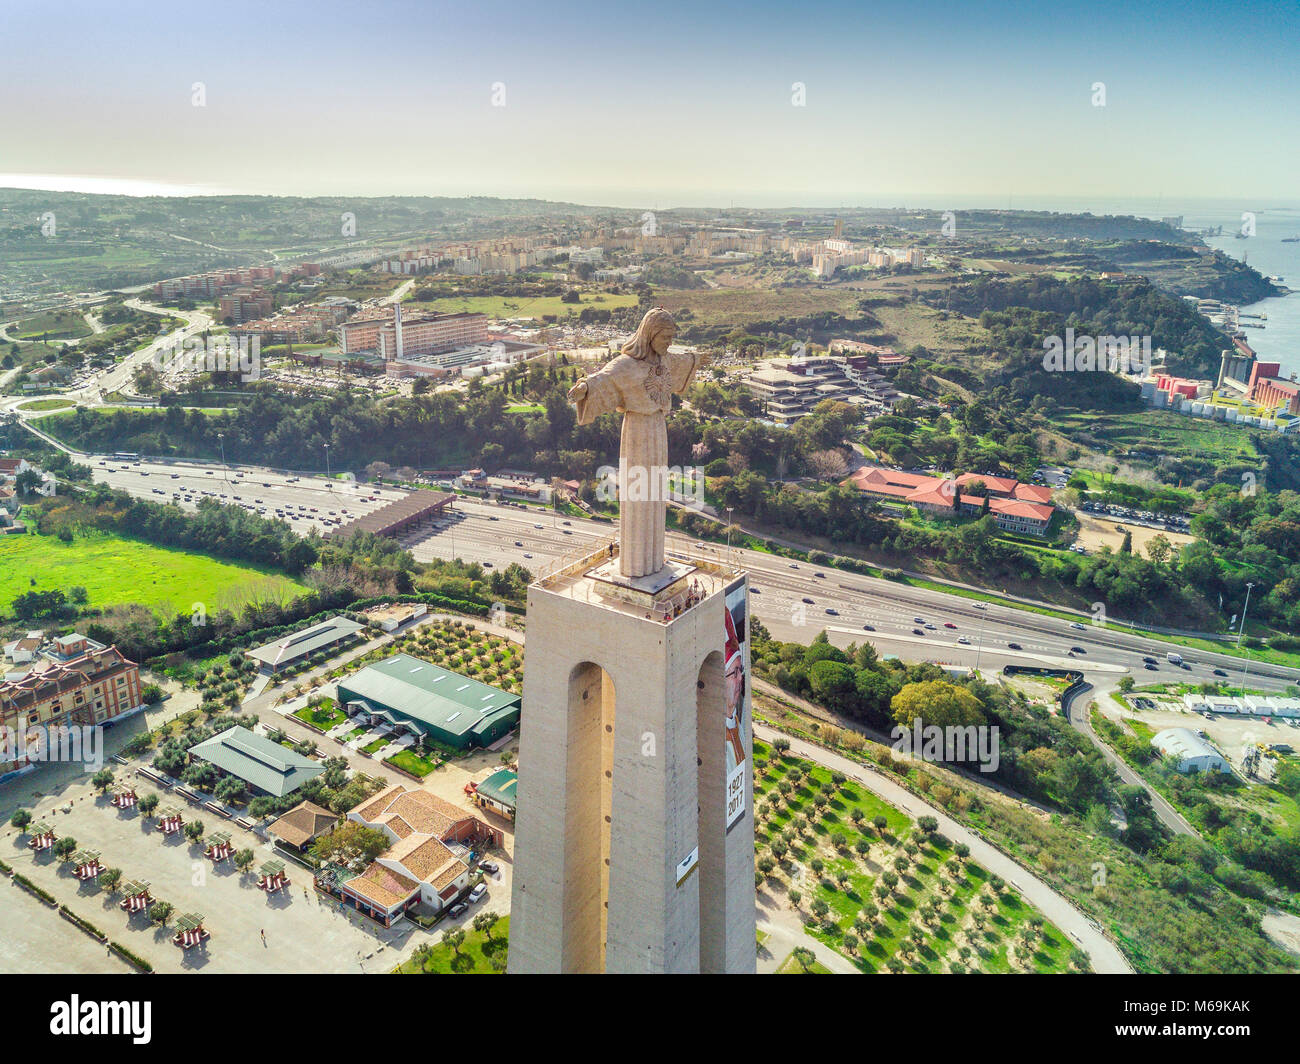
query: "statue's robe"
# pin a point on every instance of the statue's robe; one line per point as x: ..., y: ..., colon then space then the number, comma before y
x: 643, y: 396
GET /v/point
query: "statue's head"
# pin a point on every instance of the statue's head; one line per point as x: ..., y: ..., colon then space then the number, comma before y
x: 654, y: 334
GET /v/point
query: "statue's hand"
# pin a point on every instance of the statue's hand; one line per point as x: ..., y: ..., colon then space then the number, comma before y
x: 578, y: 391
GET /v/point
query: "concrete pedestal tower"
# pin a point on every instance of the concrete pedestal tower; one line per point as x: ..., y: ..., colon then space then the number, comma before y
x: 630, y: 855
x: 634, y: 837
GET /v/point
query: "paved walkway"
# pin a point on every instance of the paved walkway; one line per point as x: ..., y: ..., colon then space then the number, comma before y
x: 1076, y: 710
x: 1104, y: 954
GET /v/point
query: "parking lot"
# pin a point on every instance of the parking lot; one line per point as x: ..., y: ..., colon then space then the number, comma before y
x: 305, y: 502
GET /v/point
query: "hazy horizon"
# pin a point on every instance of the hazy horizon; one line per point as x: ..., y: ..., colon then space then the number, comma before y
x: 677, y: 106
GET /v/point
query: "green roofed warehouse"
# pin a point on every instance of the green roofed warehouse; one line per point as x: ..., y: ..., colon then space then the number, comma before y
x: 267, y: 766
x: 422, y: 698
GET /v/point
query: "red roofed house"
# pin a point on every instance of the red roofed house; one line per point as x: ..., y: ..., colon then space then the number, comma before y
x: 425, y: 864
x: 1025, y: 509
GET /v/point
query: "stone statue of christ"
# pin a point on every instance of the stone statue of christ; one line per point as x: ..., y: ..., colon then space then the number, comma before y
x: 640, y: 384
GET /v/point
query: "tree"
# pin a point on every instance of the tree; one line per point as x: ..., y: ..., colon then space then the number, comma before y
x: 147, y: 805
x: 484, y: 922
x: 243, y: 860
x: 795, y: 896
x: 160, y: 911
x: 937, y: 702
x: 805, y: 957
x: 351, y: 845
x: 21, y: 819
x: 193, y: 830
x: 65, y: 847
x: 109, y: 879
x: 455, y: 938
x: 102, y: 779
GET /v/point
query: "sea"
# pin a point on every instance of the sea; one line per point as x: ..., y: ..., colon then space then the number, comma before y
x: 1273, y: 221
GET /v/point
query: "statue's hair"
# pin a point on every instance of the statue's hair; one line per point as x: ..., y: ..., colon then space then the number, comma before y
x: 639, y: 346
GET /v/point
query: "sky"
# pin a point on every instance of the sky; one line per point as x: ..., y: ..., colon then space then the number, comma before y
x: 662, y: 105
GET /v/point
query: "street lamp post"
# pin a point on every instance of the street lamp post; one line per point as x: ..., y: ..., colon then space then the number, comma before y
x: 729, y: 509
x: 1245, y: 662
x: 221, y: 441
x: 328, y: 480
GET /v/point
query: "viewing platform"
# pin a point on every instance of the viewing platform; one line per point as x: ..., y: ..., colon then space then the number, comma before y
x: 592, y: 575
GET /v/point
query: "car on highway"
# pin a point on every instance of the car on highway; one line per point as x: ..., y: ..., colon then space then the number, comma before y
x: 1149, y: 660
x: 917, y: 631
x: 868, y: 628
x: 753, y: 591
x: 918, y: 620
x: 1150, y: 666
x: 1219, y: 672
x: 1077, y: 626
x: 931, y: 628
x: 1077, y: 650
x: 808, y: 600
x: 949, y: 624
x: 519, y: 543
x: 1013, y: 646
x: 176, y: 476
x: 981, y: 606
x: 963, y: 640
x: 566, y: 522
x: 832, y: 612
x: 537, y: 526
x: 794, y: 565
x: 527, y: 555
x: 820, y: 576
x: 493, y: 517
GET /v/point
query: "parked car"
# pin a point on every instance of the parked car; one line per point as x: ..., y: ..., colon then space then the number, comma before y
x: 477, y: 893
x: 489, y: 866
x: 457, y: 909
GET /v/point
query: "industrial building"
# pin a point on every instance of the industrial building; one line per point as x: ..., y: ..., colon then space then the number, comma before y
x: 1189, y: 751
x: 425, y: 700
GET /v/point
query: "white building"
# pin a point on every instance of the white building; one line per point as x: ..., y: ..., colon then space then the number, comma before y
x: 1189, y: 751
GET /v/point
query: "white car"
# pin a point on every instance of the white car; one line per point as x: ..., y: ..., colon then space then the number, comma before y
x: 1077, y: 626
x: 477, y: 893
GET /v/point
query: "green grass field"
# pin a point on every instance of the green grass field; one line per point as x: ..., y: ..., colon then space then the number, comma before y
x: 116, y: 571
x: 524, y: 307
x: 48, y: 404
x: 472, y: 959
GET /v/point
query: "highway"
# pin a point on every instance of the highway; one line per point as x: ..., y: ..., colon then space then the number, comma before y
x: 498, y: 535
x: 795, y: 600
